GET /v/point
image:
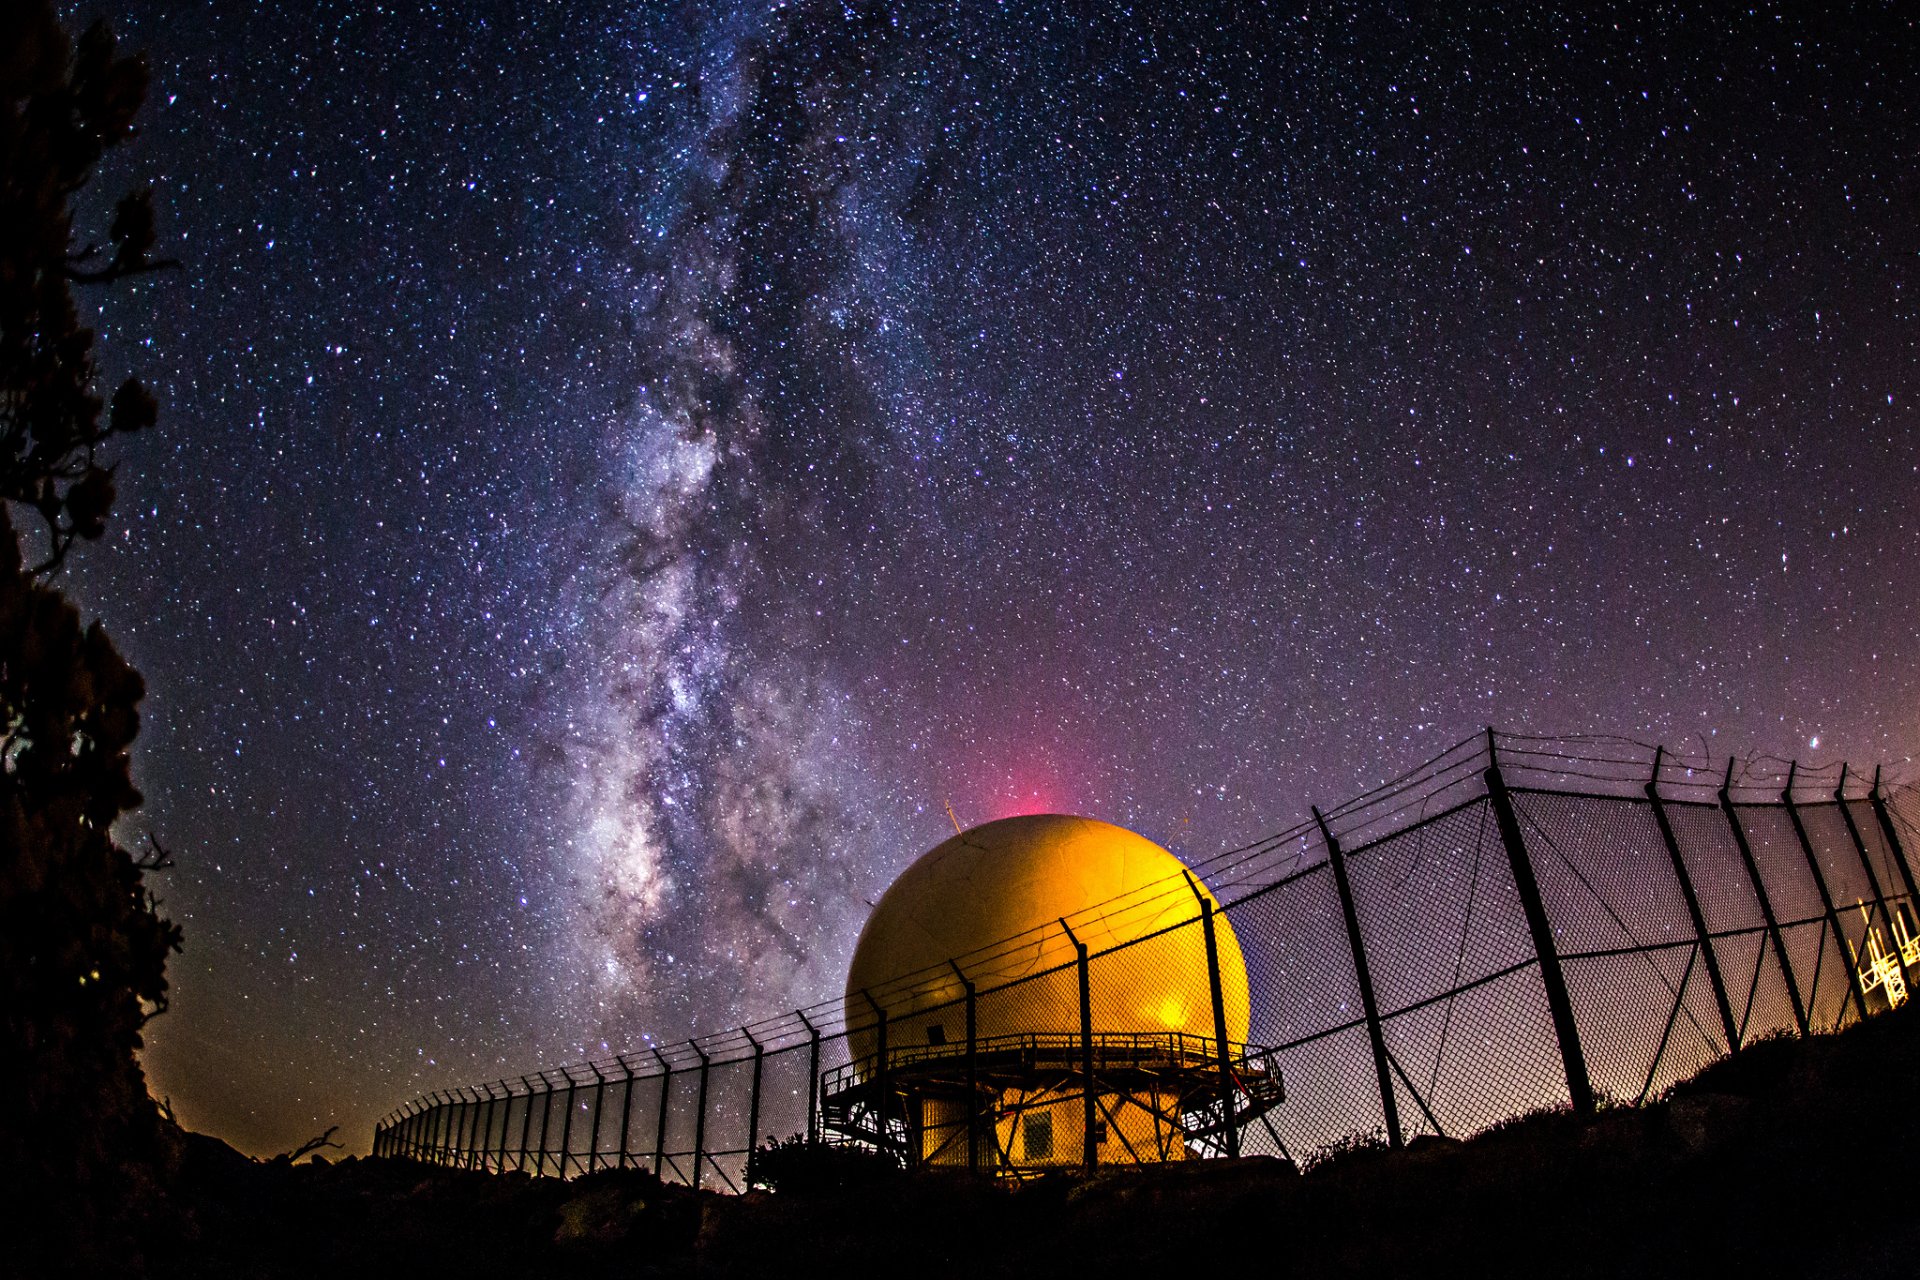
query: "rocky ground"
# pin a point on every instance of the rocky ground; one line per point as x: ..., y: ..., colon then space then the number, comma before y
x: 1790, y: 1158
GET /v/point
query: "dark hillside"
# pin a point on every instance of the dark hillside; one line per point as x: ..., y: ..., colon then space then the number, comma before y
x: 1791, y: 1158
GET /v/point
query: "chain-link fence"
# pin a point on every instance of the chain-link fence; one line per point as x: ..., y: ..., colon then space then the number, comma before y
x: 1520, y: 923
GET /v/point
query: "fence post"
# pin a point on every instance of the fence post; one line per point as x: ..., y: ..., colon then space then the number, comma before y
x: 1389, y: 1105
x: 450, y: 1133
x: 699, y: 1115
x: 1222, y: 1047
x: 430, y: 1134
x: 626, y: 1104
x: 457, y: 1145
x: 1873, y: 877
x: 486, y: 1135
x: 880, y: 1105
x: 660, y: 1134
x: 813, y: 1077
x: 1694, y: 913
x: 526, y: 1126
x: 506, y: 1118
x: 566, y: 1126
x: 477, y: 1139
x: 476, y: 1132
x: 1826, y: 896
x: 475, y: 1108
x: 973, y: 1071
x: 482, y: 1129
x: 753, y: 1094
x: 546, y: 1120
x: 1766, y: 903
x: 593, y: 1130
x: 1885, y: 819
x: 1089, y: 1145
x: 1573, y: 1059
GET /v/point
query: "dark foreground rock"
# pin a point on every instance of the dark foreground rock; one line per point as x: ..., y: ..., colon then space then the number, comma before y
x: 1790, y: 1158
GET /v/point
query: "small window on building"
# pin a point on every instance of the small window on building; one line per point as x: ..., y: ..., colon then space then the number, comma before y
x: 1036, y: 1136
x: 936, y: 1034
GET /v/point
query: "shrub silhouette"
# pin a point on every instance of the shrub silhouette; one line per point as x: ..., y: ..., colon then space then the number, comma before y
x: 799, y: 1166
x: 82, y: 948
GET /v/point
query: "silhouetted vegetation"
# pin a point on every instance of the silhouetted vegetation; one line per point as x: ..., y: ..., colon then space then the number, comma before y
x: 1789, y: 1158
x: 796, y: 1166
x: 82, y: 949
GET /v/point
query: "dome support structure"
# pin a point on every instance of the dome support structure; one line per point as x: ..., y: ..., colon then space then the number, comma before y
x: 1102, y: 1013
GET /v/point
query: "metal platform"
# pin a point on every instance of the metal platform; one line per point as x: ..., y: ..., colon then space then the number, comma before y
x: 1158, y: 1094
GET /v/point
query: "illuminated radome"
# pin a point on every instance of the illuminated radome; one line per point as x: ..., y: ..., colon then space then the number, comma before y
x: 1000, y: 906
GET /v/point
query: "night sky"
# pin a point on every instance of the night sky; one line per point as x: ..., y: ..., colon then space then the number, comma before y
x: 622, y: 472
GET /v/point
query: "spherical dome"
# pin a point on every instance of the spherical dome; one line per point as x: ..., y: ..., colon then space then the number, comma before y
x: 992, y: 898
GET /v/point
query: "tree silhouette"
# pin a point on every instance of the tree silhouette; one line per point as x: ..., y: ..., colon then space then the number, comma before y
x: 82, y: 948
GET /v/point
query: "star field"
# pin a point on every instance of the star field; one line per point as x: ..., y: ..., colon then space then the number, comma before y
x: 622, y: 472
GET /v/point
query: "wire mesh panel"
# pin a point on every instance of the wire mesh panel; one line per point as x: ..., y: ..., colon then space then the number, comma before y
x: 1157, y: 1050
x: 1846, y: 874
x: 1903, y: 810
x: 1886, y: 866
x: 683, y: 1118
x: 548, y: 1125
x: 786, y: 1076
x: 1305, y: 1004
x: 1756, y: 984
x: 1819, y: 959
x: 1640, y: 997
x: 642, y: 1116
x: 1119, y: 1056
x: 1466, y: 1025
x: 723, y: 1136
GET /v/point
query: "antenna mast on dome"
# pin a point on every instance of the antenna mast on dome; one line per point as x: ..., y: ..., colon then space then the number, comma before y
x: 951, y: 818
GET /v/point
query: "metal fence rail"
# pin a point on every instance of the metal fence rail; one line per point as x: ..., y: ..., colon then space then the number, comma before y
x: 1519, y: 923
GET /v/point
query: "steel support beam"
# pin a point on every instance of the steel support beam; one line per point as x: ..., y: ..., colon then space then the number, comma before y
x: 1376, y: 1035
x: 1766, y: 902
x: 973, y: 1069
x: 1089, y: 1111
x: 1222, y: 1047
x: 1881, y: 815
x: 1692, y: 899
x: 526, y: 1127
x: 660, y: 1130
x: 813, y: 1077
x: 753, y: 1093
x: 1873, y: 878
x: 566, y: 1126
x: 1826, y: 895
x: 700, y: 1113
x: 881, y: 1103
x: 626, y: 1105
x: 1573, y: 1058
x: 593, y: 1130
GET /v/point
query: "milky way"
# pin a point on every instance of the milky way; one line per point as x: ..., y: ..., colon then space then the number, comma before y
x: 623, y: 473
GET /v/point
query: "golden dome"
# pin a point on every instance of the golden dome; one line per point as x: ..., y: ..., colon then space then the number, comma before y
x: 991, y: 899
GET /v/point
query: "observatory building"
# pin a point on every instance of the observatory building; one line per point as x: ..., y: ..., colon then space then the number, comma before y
x: 1047, y: 992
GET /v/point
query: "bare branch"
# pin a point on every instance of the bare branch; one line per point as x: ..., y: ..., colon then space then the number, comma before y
x: 311, y: 1145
